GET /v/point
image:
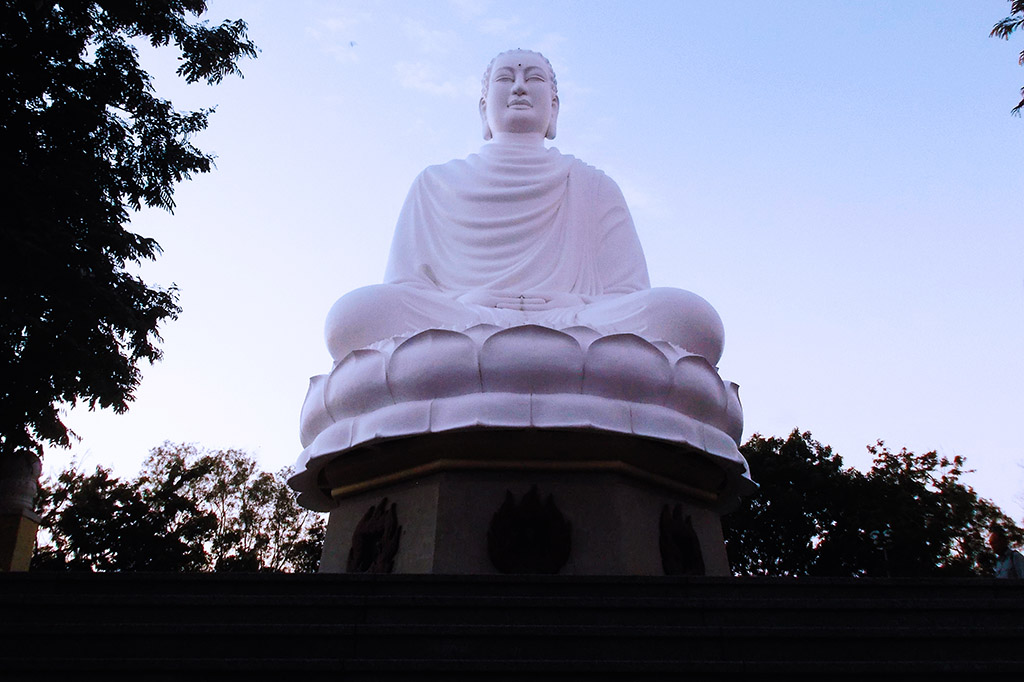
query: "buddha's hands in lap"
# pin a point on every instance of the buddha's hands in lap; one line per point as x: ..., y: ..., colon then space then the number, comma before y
x: 527, y: 301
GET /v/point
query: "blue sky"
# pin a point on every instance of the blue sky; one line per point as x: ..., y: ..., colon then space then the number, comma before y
x: 841, y: 180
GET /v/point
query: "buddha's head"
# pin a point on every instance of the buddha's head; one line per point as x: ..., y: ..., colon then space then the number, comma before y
x: 520, y: 95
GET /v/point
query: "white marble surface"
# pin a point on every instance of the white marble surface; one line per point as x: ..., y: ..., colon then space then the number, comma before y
x: 516, y: 295
x: 527, y: 376
x: 519, y: 234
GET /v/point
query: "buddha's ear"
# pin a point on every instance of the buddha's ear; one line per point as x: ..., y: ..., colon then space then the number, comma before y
x: 483, y: 119
x: 553, y: 123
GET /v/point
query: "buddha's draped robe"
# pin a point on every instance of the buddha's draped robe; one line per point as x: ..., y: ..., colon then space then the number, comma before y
x: 516, y: 221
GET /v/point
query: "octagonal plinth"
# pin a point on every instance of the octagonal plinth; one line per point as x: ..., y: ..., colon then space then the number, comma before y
x: 526, y: 501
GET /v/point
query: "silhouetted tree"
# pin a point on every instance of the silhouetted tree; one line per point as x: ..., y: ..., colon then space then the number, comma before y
x: 84, y: 140
x: 910, y: 515
x: 801, y: 484
x: 188, y: 510
x: 96, y: 522
x: 1003, y: 29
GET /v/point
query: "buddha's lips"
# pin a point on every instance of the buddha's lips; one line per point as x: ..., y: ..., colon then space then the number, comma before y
x: 520, y: 102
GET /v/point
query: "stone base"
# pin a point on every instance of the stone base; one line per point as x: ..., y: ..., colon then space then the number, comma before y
x: 608, y: 515
x: 17, y: 540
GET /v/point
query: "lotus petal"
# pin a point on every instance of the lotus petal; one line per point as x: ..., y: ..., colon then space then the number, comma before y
x: 697, y: 390
x: 733, y: 412
x: 481, y: 332
x: 579, y: 411
x: 626, y: 367
x: 333, y: 439
x: 664, y: 423
x: 314, y: 417
x: 480, y: 409
x: 433, y: 364
x: 531, y: 359
x: 670, y: 351
x: 583, y: 335
x: 358, y: 385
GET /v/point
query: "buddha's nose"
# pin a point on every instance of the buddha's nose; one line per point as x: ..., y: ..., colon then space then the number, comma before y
x: 519, y: 87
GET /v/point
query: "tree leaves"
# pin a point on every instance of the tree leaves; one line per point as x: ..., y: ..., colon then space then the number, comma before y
x: 99, y: 523
x: 910, y: 515
x: 84, y: 140
x: 1004, y: 28
x: 187, y: 510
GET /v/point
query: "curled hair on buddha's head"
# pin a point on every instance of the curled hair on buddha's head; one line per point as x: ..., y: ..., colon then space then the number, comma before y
x: 486, y: 83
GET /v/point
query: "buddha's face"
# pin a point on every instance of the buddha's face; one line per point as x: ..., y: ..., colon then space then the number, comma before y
x: 520, y: 97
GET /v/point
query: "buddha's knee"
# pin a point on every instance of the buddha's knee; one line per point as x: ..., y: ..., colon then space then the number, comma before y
x: 364, y: 316
x: 685, y: 319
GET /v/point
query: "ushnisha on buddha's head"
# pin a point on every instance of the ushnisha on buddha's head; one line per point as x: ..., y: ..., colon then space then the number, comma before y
x: 520, y: 97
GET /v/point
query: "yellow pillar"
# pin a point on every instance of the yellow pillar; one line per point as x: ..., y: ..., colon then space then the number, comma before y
x: 17, y: 540
x: 19, y: 481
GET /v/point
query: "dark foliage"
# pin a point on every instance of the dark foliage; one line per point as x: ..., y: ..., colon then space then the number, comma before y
x: 910, y: 515
x: 1003, y: 29
x: 84, y: 140
x: 188, y: 510
x: 99, y: 523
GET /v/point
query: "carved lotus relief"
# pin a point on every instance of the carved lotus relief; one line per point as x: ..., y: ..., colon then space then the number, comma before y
x: 529, y: 536
x: 375, y: 540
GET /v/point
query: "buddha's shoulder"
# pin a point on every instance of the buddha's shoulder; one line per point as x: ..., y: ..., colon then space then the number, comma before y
x: 575, y: 164
x: 552, y: 161
x: 449, y: 168
x: 580, y: 167
x: 592, y: 177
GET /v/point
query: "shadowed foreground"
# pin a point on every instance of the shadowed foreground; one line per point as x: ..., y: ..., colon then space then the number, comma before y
x: 163, y: 626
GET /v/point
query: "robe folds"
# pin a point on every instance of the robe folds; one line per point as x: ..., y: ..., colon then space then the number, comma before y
x: 518, y: 222
x: 517, y: 219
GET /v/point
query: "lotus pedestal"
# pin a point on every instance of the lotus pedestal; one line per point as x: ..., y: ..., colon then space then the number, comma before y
x: 522, y: 450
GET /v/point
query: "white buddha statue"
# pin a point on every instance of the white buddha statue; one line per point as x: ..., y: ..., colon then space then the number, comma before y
x: 519, y: 234
x: 516, y: 300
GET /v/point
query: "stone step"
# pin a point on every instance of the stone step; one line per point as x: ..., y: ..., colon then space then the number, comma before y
x: 489, y: 642
x: 507, y: 627
x: 429, y: 609
x: 503, y: 586
x: 386, y: 670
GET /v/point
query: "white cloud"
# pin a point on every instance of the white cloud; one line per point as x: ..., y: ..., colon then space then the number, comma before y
x: 503, y: 26
x: 423, y: 77
x: 335, y: 24
x: 470, y: 8
x: 428, y: 39
x: 550, y: 44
